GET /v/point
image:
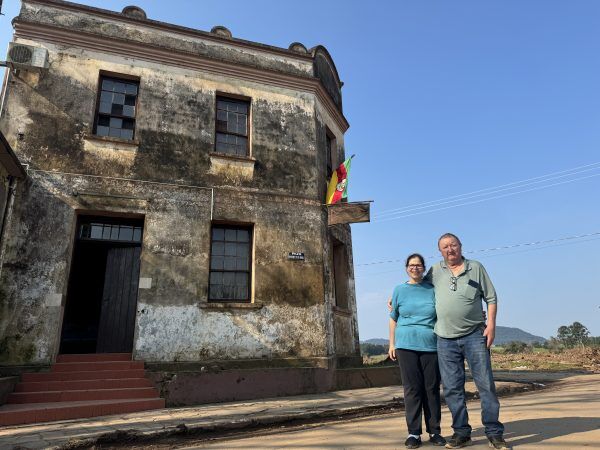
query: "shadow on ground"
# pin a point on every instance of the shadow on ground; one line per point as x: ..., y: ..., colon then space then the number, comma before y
x: 533, y: 431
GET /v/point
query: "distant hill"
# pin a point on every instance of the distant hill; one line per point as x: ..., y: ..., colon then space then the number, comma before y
x: 376, y: 341
x: 503, y: 336
x: 509, y: 334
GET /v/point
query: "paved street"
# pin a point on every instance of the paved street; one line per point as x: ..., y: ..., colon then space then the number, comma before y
x: 562, y: 418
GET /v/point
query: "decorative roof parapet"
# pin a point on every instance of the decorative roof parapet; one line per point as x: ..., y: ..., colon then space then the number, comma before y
x: 97, y: 27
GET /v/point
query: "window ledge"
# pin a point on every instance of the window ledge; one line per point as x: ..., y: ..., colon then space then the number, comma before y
x: 225, y: 156
x: 112, y: 140
x: 341, y: 311
x: 234, y: 167
x: 229, y: 305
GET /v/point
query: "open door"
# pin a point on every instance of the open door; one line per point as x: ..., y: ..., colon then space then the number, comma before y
x: 119, y: 300
x: 102, y: 297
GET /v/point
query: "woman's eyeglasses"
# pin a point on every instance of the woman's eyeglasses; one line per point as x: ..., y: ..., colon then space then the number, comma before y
x: 453, y: 281
x: 415, y: 266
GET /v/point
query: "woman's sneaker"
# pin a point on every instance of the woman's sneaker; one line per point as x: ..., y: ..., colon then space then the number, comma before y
x: 498, y: 443
x: 457, y: 441
x: 436, y: 439
x: 412, y: 442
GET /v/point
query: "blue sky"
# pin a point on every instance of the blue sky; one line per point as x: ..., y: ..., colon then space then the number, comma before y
x: 446, y: 98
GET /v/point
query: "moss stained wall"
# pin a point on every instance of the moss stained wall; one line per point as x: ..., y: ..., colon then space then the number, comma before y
x: 280, y: 195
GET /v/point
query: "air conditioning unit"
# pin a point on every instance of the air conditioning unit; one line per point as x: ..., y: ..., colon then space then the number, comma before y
x: 27, y: 57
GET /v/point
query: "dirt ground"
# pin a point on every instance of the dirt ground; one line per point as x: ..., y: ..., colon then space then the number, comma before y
x: 563, y: 417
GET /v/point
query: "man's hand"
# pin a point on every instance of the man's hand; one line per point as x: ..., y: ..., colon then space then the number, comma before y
x: 490, y: 334
x: 392, y: 353
x: 389, y: 303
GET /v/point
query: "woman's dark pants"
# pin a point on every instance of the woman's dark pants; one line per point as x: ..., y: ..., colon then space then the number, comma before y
x: 421, y: 382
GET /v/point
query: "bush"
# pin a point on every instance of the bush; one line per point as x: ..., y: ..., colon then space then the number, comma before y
x: 517, y: 347
x: 373, y: 349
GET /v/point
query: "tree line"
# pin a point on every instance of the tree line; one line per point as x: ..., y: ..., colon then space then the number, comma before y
x: 567, y: 336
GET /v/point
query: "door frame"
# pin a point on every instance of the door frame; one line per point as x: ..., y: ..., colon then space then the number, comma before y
x: 101, y: 215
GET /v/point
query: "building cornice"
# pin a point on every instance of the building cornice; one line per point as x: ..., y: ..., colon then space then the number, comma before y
x: 126, y: 48
x: 163, y: 26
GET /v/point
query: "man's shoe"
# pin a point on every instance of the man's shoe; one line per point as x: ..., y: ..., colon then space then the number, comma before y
x: 412, y: 442
x: 498, y: 443
x: 438, y: 440
x: 458, y: 441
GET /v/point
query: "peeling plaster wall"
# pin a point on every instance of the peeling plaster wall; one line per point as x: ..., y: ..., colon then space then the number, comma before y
x: 290, y: 315
x: 269, y: 332
x: 33, y: 279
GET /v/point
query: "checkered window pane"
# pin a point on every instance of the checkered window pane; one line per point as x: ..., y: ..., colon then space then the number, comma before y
x: 116, y: 112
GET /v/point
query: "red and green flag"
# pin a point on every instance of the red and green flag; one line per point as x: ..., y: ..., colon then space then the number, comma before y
x: 338, y: 185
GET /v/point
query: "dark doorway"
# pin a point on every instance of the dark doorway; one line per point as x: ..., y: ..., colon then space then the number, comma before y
x: 102, y: 297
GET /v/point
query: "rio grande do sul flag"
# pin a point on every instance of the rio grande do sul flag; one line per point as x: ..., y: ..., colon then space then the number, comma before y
x: 338, y: 185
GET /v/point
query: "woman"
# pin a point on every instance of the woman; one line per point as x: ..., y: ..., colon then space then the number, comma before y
x: 414, y: 345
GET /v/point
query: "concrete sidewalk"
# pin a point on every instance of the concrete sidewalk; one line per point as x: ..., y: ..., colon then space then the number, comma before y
x: 221, y: 417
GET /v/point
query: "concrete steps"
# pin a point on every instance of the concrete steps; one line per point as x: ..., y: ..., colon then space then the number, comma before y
x: 80, y: 386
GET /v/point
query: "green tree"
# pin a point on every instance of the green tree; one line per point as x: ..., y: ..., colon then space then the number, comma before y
x: 572, y: 335
x: 373, y: 349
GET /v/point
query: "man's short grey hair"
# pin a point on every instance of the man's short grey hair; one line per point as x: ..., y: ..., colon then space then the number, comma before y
x: 449, y: 235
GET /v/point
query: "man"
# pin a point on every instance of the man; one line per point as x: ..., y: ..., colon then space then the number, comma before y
x: 460, y: 285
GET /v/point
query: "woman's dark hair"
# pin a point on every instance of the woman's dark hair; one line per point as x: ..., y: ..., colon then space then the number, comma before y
x: 415, y: 255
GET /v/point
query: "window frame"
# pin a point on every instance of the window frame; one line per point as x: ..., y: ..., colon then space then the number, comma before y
x: 130, y: 79
x: 340, y: 260
x: 249, y: 271
x: 236, y: 99
x: 330, y: 153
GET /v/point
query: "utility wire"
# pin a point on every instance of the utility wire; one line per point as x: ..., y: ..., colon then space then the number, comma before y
x: 489, y: 255
x: 493, y: 249
x: 402, y: 216
x: 492, y: 190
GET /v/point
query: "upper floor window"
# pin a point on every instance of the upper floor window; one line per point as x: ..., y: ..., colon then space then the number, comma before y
x: 329, y: 144
x: 115, y: 116
x: 232, y: 126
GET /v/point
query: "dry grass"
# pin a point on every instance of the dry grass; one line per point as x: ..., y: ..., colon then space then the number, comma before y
x: 587, y: 359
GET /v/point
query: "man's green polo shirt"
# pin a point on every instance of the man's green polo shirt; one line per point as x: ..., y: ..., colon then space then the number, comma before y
x: 459, y: 311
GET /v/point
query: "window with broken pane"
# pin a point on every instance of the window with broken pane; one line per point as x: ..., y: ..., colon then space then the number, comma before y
x: 230, y: 264
x: 115, y: 116
x: 232, y: 126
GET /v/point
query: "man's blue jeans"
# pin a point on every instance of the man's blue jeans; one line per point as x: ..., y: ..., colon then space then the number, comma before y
x: 451, y: 356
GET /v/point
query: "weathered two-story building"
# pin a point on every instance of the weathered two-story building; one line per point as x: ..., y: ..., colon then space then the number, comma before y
x: 173, y: 207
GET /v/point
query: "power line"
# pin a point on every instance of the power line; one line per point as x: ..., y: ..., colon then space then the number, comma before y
x: 497, y: 254
x: 492, y: 190
x: 402, y: 216
x: 493, y: 249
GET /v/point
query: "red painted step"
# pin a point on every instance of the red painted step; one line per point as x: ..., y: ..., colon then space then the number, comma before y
x: 86, y: 375
x: 46, y: 412
x: 76, y: 396
x: 78, y: 385
x: 97, y: 365
x: 92, y: 357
